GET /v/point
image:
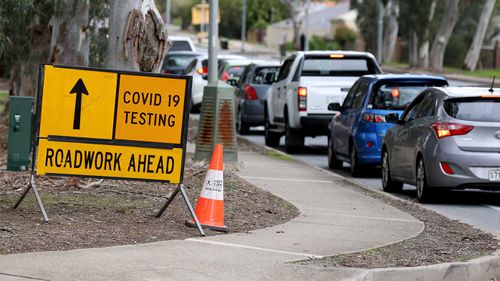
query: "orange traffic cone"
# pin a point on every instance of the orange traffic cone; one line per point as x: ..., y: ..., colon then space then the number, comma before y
x: 210, y: 206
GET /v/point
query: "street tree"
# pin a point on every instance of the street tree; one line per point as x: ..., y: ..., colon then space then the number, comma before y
x: 137, y: 36
x: 391, y: 30
x: 297, y: 15
x: 443, y: 34
x: 472, y: 56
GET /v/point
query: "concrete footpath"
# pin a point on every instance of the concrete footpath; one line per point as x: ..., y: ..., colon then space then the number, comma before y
x: 333, y: 219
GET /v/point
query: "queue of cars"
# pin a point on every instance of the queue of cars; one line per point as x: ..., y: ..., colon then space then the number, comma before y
x: 418, y: 129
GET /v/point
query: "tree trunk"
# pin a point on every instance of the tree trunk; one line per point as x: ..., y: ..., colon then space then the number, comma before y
x: 391, y: 30
x: 296, y: 8
x: 137, y: 36
x: 443, y: 34
x: 70, y: 40
x: 472, y: 56
x: 413, y: 49
x: 423, y: 51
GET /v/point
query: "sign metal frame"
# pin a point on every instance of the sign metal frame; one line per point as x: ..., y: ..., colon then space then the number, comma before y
x: 37, y: 118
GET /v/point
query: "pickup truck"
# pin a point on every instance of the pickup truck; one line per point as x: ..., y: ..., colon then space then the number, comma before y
x: 297, y: 105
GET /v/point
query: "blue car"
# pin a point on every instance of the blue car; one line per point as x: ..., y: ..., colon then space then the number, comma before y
x: 356, y: 132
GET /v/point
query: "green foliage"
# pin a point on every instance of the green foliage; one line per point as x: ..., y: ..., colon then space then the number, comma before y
x: 345, y: 37
x: 367, y: 23
x: 98, y: 13
x: 455, y: 52
x: 319, y: 43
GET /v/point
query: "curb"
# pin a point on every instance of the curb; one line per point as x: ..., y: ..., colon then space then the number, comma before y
x: 482, y: 268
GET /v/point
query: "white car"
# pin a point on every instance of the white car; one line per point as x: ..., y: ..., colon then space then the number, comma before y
x: 181, y: 43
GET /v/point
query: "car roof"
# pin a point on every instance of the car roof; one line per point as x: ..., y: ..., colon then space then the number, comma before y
x: 339, y: 52
x: 463, y: 92
x: 261, y: 63
x: 403, y: 76
x: 196, y: 54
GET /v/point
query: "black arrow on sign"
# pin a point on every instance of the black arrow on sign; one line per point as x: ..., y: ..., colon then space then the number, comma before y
x: 78, y: 89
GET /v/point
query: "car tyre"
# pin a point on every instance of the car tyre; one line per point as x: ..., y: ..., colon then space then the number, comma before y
x: 388, y: 184
x: 272, y: 138
x: 333, y: 162
x: 355, y: 166
x: 241, y: 127
x: 293, y: 140
x: 424, y: 194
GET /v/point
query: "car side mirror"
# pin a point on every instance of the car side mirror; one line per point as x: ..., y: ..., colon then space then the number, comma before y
x: 334, y: 106
x: 392, y: 118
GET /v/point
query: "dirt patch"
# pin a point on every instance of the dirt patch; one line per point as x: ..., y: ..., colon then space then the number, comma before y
x: 119, y: 212
x: 443, y: 240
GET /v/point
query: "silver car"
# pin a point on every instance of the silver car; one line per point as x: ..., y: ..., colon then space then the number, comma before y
x: 446, y: 138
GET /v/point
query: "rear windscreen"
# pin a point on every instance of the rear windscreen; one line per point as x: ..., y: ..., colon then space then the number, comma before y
x: 474, y: 109
x: 265, y: 75
x: 180, y: 46
x: 326, y: 66
x: 397, y: 96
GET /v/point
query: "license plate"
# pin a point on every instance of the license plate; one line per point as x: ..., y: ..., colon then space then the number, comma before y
x: 494, y: 175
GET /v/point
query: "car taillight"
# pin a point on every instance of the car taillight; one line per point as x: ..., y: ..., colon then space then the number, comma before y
x: 445, y: 129
x: 302, y: 98
x: 202, y: 70
x: 250, y: 93
x: 375, y: 118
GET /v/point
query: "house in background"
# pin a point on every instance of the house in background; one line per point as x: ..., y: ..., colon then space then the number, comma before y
x: 324, y: 18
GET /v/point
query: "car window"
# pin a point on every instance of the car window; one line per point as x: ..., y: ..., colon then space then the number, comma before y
x: 245, y: 75
x: 394, y: 96
x: 262, y: 75
x: 285, y: 69
x: 414, y: 109
x: 358, y: 97
x: 473, y: 109
x: 350, y: 95
x: 428, y: 107
x: 328, y: 66
x: 180, y: 45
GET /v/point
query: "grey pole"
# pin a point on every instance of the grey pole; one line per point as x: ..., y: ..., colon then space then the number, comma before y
x: 306, y: 41
x: 202, y: 25
x: 167, y: 12
x: 213, y: 34
x: 380, y: 30
x: 243, y: 25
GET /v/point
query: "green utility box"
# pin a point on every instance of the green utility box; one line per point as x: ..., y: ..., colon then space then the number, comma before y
x: 20, y: 128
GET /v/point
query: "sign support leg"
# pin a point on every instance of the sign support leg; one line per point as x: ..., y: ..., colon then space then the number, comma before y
x: 32, y: 186
x: 174, y: 193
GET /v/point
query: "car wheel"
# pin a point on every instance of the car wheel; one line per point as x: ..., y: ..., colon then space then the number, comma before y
x: 355, y: 166
x: 389, y: 185
x: 333, y: 162
x: 272, y: 138
x: 293, y: 140
x: 423, y: 193
x: 241, y: 127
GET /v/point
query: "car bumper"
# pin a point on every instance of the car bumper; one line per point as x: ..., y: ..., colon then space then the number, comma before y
x: 368, y: 149
x: 252, y: 112
x: 316, y: 124
x: 470, y: 169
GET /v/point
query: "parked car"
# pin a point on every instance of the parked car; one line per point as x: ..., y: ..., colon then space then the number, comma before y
x: 307, y: 82
x: 181, y: 43
x: 251, y: 93
x: 446, y: 138
x: 188, y: 63
x: 356, y: 133
x: 231, y: 69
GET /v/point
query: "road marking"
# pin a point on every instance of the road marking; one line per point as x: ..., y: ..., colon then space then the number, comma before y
x: 252, y: 248
x: 283, y: 179
x: 493, y: 207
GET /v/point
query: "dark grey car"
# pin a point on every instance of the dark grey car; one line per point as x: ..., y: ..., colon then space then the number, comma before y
x: 446, y: 138
x: 251, y: 93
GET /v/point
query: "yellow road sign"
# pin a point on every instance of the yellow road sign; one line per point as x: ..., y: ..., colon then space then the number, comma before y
x: 150, y: 109
x: 78, y: 103
x: 100, y: 160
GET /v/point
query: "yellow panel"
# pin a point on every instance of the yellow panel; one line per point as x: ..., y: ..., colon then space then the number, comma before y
x: 96, y: 109
x: 99, y: 160
x: 150, y: 109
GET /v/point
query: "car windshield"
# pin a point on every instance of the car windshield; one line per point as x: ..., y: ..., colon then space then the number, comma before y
x: 265, y: 75
x: 178, y: 63
x: 235, y: 71
x: 180, y: 46
x: 395, y: 97
x: 474, y: 109
x: 326, y: 66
